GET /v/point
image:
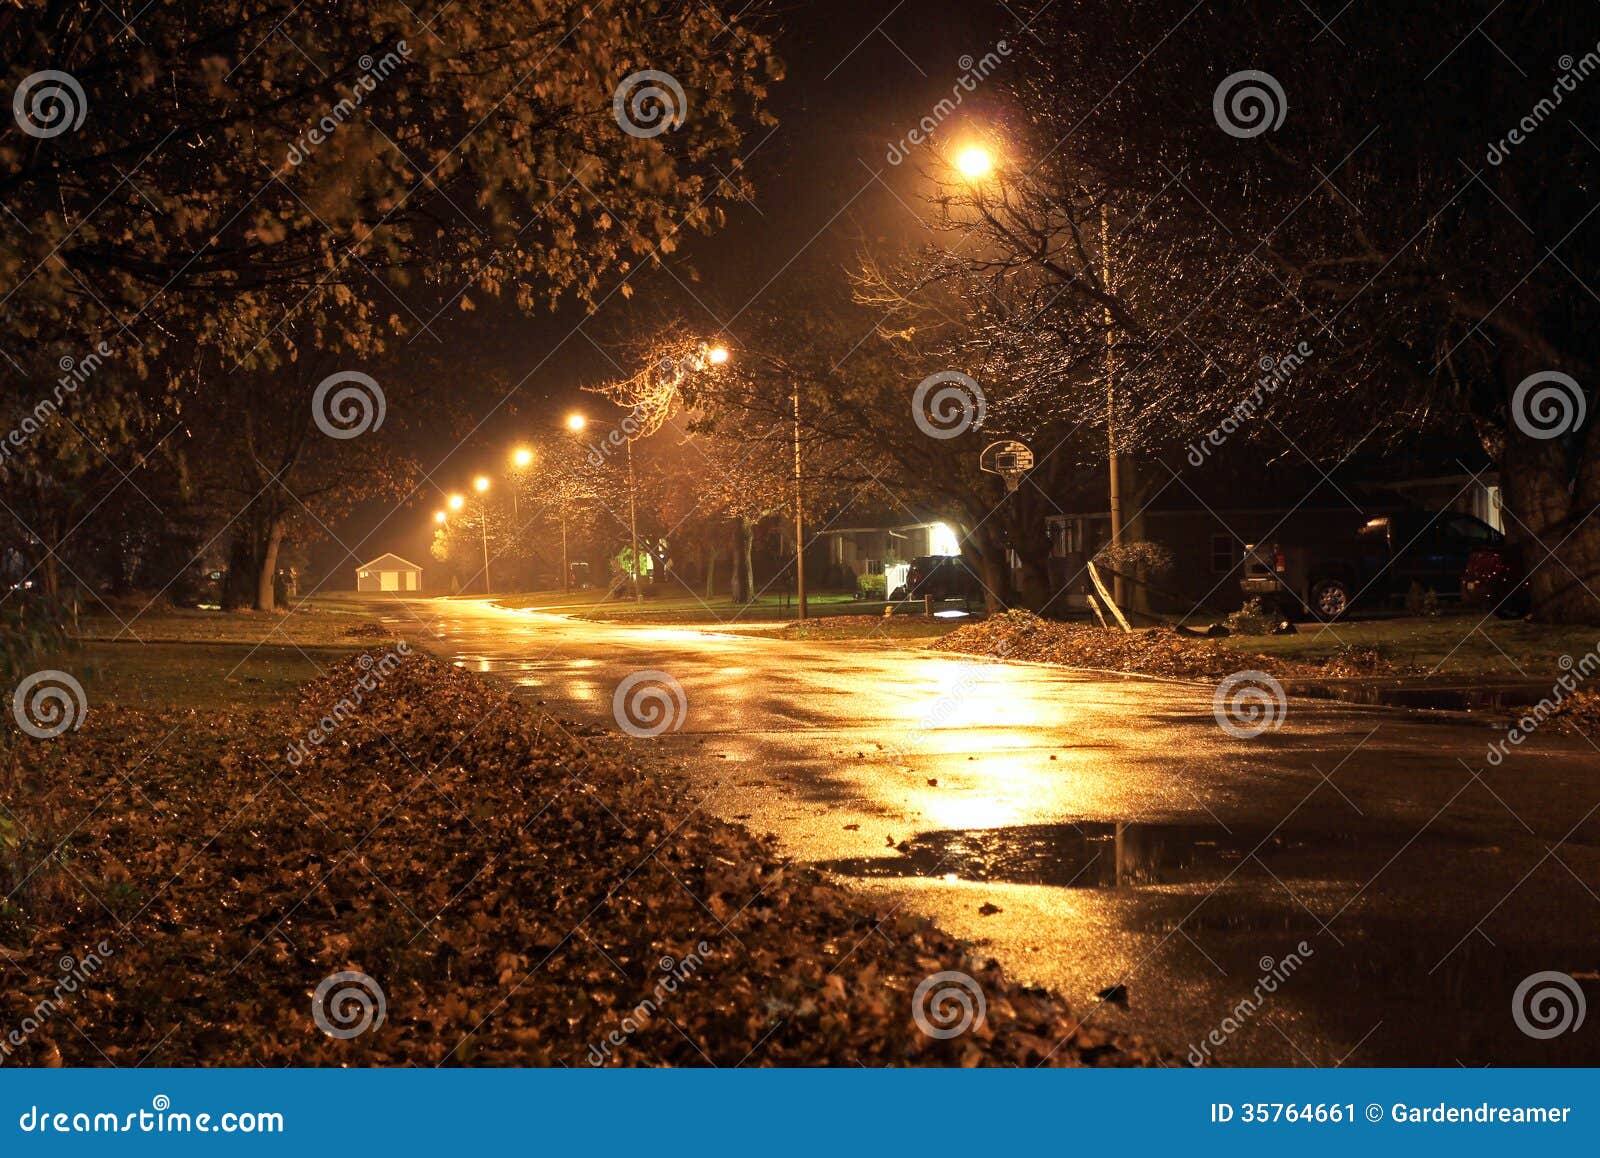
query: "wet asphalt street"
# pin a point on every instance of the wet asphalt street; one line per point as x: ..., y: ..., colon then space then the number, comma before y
x: 1358, y: 887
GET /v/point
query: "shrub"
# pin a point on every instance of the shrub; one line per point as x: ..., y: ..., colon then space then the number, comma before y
x: 1252, y: 619
x: 872, y: 586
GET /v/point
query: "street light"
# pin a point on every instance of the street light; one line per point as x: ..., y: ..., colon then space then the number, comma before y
x: 717, y: 355
x: 575, y: 423
x: 974, y: 162
x: 440, y: 517
x: 455, y: 502
x: 521, y: 459
x: 481, y: 485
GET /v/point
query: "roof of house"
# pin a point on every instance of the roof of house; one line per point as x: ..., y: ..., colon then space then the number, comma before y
x: 378, y: 564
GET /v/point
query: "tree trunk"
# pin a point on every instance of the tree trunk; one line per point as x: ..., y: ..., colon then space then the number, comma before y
x: 1550, y: 518
x: 711, y: 572
x: 267, y: 572
x: 995, y: 570
x: 747, y: 549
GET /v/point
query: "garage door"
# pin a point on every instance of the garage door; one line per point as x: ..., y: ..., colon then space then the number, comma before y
x: 389, y: 581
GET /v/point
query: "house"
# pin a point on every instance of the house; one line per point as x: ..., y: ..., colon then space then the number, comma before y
x: 885, y: 545
x: 388, y: 573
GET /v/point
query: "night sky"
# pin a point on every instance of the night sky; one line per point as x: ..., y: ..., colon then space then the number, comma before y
x: 858, y: 75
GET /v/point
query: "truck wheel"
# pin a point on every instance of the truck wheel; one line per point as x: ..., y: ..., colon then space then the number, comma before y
x: 1330, y: 598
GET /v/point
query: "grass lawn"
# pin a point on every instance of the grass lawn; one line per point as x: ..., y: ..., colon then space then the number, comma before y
x: 1448, y: 645
x: 169, y: 658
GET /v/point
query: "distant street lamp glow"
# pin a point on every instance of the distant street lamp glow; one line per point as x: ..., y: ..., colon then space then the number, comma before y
x: 481, y: 483
x: 974, y: 161
x: 521, y: 457
x: 718, y: 355
x: 439, y: 516
x: 576, y: 422
x: 456, y: 502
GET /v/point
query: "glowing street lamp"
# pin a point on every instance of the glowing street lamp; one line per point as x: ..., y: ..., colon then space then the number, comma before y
x: 521, y: 458
x: 974, y: 162
x: 576, y: 422
x: 455, y: 502
x: 440, y: 517
x: 481, y: 483
x: 717, y: 355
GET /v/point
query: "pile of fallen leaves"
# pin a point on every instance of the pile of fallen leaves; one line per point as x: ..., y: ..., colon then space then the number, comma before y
x: 1152, y: 651
x: 1157, y: 651
x: 1579, y: 714
x: 519, y: 896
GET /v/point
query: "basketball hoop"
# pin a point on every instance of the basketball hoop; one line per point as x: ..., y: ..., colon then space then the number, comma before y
x: 1009, y: 459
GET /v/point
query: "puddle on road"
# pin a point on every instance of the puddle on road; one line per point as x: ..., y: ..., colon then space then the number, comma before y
x: 1500, y: 700
x: 1119, y: 854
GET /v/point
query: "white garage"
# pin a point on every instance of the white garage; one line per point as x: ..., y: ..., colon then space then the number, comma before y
x: 388, y: 573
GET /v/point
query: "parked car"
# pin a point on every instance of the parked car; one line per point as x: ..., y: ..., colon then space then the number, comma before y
x: 939, y: 576
x: 1380, y: 563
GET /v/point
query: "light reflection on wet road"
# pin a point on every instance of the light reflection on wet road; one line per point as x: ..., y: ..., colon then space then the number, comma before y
x: 1125, y: 838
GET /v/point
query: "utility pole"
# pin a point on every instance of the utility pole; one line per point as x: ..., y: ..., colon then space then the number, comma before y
x: 483, y: 525
x: 633, y: 526
x: 566, y: 569
x: 1119, y: 585
x: 799, y: 540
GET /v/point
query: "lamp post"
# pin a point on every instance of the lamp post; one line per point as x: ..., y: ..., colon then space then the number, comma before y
x: 799, y: 517
x: 575, y: 423
x: 481, y: 485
